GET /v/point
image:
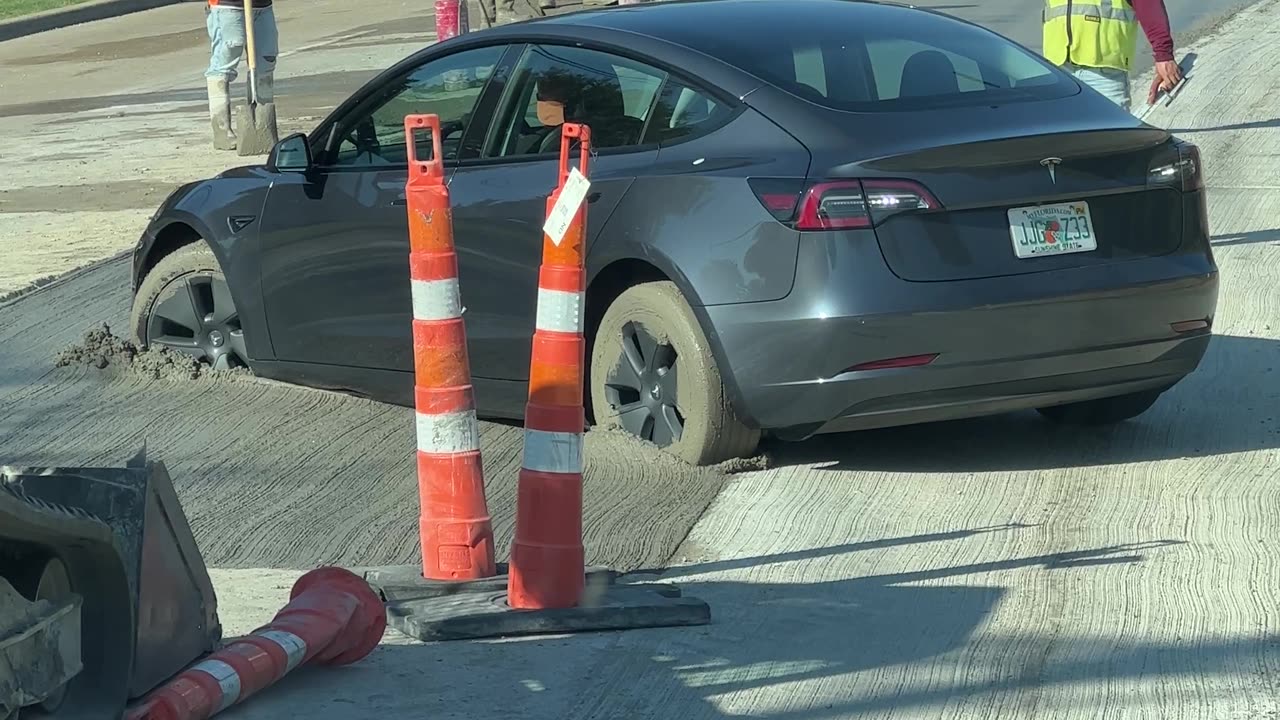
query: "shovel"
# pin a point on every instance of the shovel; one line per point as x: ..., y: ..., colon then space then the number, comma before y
x: 255, y: 122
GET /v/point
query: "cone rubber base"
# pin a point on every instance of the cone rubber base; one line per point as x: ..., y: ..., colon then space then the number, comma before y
x: 475, y: 615
x: 405, y: 582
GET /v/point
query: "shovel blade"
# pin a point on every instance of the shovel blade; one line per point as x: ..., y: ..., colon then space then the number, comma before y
x: 256, y: 130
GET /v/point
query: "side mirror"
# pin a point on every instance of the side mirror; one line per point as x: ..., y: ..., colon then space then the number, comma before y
x: 291, y: 154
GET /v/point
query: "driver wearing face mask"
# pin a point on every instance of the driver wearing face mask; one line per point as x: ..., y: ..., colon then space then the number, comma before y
x: 557, y: 100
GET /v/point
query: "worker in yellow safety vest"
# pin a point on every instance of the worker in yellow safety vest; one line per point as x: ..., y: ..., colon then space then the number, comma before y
x: 1095, y: 40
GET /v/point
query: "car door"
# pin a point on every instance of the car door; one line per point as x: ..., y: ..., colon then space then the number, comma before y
x: 500, y: 199
x: 335, y: 248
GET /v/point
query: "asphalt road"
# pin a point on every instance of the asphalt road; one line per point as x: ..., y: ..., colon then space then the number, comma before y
x: 997, y: 567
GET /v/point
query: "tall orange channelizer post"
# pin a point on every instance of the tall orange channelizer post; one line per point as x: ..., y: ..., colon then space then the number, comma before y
x: 457, y: 534
x: 547, y: 567
x: 548, y: 588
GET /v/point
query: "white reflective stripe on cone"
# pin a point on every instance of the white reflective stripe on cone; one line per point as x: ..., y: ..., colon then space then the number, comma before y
x: 552, y: 452
x: 444, y: 433
x: 227, y: 677
x: 560, y: 311
x: 292, y: 645
x: 436, y: 299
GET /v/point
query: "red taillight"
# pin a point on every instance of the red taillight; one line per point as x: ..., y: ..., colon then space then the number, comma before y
x: 842, y: 204
x: 833, y: 206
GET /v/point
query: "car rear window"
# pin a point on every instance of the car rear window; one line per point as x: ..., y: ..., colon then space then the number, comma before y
x: 865, y: 57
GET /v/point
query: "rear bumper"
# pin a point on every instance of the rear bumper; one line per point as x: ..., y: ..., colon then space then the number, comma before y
x: 1002, y: 344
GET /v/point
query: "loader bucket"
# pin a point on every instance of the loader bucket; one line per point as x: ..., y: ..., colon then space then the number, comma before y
x: 129, y: 565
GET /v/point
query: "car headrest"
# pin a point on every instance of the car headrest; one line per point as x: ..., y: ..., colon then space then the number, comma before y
x: 928, y: 72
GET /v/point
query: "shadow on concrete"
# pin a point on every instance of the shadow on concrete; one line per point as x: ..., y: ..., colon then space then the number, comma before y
x: 1183, y: 423
x: 917, y: 644
x: 817, y: 553
x: 1255, y: 125
x: 1247, y: 238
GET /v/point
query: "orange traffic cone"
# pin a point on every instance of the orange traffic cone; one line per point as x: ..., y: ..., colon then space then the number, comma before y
x: 546, y: 578
x: 457, y: 534
x: 333, y: 618
x: 547, y: 568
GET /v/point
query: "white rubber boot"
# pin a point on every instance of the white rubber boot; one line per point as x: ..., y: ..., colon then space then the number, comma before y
x: 224, y: 134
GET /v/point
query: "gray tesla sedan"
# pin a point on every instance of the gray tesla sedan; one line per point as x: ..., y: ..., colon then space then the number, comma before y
x: 806, y: 216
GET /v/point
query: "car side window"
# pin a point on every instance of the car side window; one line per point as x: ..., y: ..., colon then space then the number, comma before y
x: 681, y: 111
x: 554, y: 84
x: 449, y: 87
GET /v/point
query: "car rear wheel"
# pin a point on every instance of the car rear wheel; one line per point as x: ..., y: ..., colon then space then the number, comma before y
x: 1103, y: 411
x: 653, y: 376
x: 184, y: 304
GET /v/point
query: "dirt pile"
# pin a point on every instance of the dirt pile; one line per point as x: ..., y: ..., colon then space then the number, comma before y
x: 102, y: 349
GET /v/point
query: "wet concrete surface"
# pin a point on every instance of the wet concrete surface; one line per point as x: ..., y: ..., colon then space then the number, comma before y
x: 273, y: 475
x: 117, y: 50
x: 100, y: 196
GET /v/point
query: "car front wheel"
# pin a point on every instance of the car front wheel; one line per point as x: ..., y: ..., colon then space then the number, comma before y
x: 653, y: 376
x: 184, y: 304
x: 1103, y: 411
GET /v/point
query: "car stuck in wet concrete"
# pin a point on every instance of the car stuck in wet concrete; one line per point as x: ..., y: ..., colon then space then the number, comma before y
x: 888, y: 216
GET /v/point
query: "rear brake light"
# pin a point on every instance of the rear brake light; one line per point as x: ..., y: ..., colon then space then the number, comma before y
x: 1186, y: 173
x: 842, y: 204
x: 834, y: 206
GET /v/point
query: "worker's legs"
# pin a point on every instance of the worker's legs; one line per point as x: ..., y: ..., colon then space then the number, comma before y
x: 499, y: 12
x: 226, y: 48
x: 1113, y: 84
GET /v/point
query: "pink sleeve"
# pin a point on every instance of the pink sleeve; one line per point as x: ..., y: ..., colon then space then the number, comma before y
x: 1154, y: 20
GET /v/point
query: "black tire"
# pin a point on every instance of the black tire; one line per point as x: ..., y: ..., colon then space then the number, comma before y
x: 633, y: 380
x: 1103, y: 411
x: 206, y: 326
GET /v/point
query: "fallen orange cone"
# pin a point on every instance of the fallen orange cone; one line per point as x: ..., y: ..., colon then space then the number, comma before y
x: 333, y: 618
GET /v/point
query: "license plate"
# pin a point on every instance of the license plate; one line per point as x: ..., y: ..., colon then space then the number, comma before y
x: 1046, y: 230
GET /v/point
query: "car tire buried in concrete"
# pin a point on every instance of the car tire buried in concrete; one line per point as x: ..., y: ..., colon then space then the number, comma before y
x: 184, y: 304
x: 653, y: 376
x: 1103, y: 411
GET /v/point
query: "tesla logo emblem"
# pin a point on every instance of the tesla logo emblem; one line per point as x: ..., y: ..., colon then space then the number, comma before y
x: 1051, y: 164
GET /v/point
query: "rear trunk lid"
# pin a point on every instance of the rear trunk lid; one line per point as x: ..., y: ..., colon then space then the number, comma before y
x: 1007, y: 203
x: 984, y: 165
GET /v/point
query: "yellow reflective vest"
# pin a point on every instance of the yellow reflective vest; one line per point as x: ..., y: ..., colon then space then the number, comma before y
x: 1090, y: 33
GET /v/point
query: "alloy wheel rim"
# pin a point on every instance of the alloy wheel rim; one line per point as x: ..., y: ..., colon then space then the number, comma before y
x: 643, y: 387
x: 196, y: 317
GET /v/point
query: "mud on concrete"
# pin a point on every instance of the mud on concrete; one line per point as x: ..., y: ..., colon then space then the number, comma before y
x: 102, y: 349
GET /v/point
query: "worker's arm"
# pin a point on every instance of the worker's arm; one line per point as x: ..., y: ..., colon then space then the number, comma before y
x: 1154, y: 20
